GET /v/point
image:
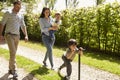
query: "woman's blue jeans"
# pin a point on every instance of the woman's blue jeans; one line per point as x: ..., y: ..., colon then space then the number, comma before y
x: 48, y: 42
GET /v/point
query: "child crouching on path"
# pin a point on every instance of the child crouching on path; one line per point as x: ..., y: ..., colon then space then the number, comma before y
x: 69, y: 56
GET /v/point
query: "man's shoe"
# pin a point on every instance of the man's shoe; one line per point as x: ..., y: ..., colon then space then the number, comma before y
x: 10, y: 72
x: 13, y: 72
x: 15, y: 75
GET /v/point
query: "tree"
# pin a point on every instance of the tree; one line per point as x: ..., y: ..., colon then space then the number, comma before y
x: 99, y: 2
x: 66, y: 3
x: 71, y: 3
x: 50, y: 3
x: 28, y: 3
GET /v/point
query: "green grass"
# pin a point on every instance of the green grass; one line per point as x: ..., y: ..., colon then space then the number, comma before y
x: 57, y: 51
x: 97, y: 60
x: 34, y: 68
x: 102, y: 61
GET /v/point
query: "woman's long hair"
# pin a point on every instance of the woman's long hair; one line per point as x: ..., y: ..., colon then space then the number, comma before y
x: 43, y: 10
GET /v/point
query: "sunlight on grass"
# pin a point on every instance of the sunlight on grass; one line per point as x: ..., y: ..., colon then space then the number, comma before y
x: 34, y: 68
x: 101, y: 61
x: 40, y: 47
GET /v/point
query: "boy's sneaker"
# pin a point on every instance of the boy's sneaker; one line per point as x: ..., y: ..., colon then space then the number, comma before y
x: 67, y: 77
x: 59, y: 70
x: 13, y: 72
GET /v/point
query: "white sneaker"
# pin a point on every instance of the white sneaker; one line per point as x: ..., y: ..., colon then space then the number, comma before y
x: 67, y: 77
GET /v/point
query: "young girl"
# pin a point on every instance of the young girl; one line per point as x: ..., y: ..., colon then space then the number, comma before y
x: 69, y: 56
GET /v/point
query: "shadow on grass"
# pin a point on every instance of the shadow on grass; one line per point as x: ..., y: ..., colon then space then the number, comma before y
x: 40, y: 71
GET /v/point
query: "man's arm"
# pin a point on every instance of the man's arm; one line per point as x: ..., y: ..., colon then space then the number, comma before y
x: 24, y: 30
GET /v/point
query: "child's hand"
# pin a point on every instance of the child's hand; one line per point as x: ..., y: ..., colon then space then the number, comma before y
x: 80, y: 52
x: 81, y: 49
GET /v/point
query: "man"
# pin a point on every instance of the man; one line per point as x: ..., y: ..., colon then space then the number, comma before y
x: 13, y: 21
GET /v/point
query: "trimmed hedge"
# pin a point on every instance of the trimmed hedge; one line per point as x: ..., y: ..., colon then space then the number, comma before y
x: 96, y: 28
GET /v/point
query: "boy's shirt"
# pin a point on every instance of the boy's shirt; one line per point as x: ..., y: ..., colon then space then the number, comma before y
x: 71, y: 54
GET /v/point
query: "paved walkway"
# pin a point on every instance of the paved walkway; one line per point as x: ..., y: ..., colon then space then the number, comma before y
x: 87, y: 73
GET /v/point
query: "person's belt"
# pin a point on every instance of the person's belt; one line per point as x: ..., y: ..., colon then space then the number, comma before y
x: 12, y: 34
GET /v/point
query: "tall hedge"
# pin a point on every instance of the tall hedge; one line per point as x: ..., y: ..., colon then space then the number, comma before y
x: 95, y: 28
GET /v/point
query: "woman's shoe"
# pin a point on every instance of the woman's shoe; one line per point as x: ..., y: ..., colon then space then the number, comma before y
x: 52, y: 68
x: 44, y: 64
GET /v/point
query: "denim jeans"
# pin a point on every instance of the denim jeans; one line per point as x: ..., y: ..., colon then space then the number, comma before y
x: 51, y: 33
x: 48, y: 42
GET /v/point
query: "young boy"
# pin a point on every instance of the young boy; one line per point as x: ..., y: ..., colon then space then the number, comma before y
x: 69, y: 56
x: 56, y: 23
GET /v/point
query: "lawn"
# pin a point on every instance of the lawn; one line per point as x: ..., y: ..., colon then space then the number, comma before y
x: 97, y: 60
x: 40, y: 72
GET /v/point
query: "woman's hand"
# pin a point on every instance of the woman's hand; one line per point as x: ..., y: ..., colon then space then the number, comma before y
x: 52, y: 28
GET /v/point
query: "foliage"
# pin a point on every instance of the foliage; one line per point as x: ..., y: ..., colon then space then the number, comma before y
x: 95, y: 28
x: 33, y: 26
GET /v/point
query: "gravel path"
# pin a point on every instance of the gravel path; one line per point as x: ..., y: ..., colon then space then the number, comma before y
x: 87, y: 73
x: 22, y: 74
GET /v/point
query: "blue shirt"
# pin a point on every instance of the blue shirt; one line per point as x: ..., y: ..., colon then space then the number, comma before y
x: 45, y: 25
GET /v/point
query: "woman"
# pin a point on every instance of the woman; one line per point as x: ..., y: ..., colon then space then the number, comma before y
x: 45, y: 26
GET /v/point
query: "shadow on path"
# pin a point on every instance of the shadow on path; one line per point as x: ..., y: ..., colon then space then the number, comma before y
x: 61, y: 76
x: 5, y: 77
